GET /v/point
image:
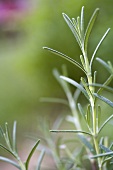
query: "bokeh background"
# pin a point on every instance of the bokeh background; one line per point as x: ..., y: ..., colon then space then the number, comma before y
x: 26, y: 69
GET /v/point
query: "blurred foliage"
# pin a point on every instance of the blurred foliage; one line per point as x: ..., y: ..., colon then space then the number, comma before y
x: 26, y: 69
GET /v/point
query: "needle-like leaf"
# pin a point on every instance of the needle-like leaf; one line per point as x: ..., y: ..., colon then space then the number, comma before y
x: 80, y: 87
x: 73, y: 29
x: 81, y: 111
x: 71, y: 131
x: 30, y: 154
x: 102, y: 154
x: 7, y: 136
x: 89, y: 28
x: 106, y: 66
x: 40, y: 160
x: 82, y: 23
x: 105, y: 149
x: 6, y: 149
x: 104, y: 99
x: 86, y: 143
x: 96, y: 49
x: 102, y: 86
x: 65, y: 57
x: 9, y: 161
x: 14, y: 136
x: 106, y: 121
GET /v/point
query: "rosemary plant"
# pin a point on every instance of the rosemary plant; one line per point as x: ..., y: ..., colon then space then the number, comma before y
x: 11, y: 148
x: 99, y: 150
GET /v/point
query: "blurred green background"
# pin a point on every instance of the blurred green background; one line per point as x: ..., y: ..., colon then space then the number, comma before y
x: 26, y: 69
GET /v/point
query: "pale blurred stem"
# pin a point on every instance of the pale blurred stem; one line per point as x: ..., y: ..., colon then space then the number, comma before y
x: 92, y: 103
x: 54, y: 151
x: 75, y: 115
x: 22, y: 165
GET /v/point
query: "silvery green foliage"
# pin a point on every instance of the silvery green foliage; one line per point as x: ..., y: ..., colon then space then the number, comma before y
x: 99, y: 152
x: 10, y: 146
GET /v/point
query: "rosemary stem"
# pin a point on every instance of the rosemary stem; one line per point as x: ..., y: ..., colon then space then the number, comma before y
x: 92, y: 102
x: 97, y: 151
x: 95, y: 130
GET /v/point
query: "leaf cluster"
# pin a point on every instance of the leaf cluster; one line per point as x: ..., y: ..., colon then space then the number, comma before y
x: 10, y: 147
x: 88, y: 86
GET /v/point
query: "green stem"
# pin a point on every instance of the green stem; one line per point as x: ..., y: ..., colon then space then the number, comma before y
x: 97, y: 152
x: 22, y: 166
x: 88, y: 70
x: 95, y: 131
x: 92, y: 102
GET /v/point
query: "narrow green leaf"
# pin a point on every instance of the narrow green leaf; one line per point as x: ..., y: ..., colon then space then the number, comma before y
x: 72, y: 27
x: 98, y: 114
x: 95, y: 74
x: 105, y: 65
x: 86, y: 143
x: 106, y: 83
x: 79, y: 29
x: 57, y: 76
x: 88, y: 114
x: 10, y: 162
x: 81, y: 111
x: 107, y: 101
x: 101, y: 140
x: 54, y: 100
x: 111, y: 145
x: 89, y: 28
x: 101, y: 143
x: 110, y: 89
x: 106, y: 121
x: 6, y: 149
x: 110, y: 66
x: 65, y: 57
x: 40, y: 158
x: 75, y: 25
x: 96, y: 49
x: 76, y: 95
x: 82, y: 22
x: 14, y: 136
x: 80, y: 87
x: 86, y: 87
x: 71, y: 131
x: 94, y: 79
x: 105, y: 149
x: 82, y: 61
x: 7, y: 136
x: 65, y: 87
x: 102, y: 155
x: 30, y: 154
x: 107, y: 159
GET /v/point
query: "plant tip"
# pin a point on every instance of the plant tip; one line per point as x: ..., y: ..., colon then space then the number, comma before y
x: 45, y: 48
x: 97, y: 9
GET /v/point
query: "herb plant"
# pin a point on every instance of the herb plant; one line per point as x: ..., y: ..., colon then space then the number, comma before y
x: 98, y: 149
